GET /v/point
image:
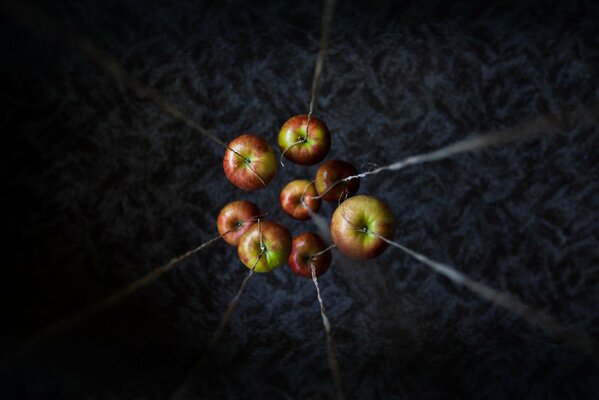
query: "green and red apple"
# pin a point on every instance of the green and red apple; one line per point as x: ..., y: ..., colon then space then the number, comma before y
x: 303, y: 250
x: 357, y: 222
x: 276, y: 240
x: 252, y: 164
x: 291, y: 199
x: 235, y: 219
x: 302, y: 143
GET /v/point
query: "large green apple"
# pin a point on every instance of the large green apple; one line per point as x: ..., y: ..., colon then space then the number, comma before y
x: 356, y: 224
x: 276, y: 240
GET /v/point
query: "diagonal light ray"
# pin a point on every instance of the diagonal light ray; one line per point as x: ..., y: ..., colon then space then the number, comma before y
x: 539, y: 126
x: 186, y: 388
x: 327, y: 20
x: 112, y: 300
x: 577, y: 340
x: 224, y: 322
x: 331, y: 353
x: 31, y: 17
x: 325, y: 38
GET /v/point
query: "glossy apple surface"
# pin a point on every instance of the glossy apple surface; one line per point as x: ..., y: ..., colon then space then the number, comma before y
x: 303, y: 249
x: 256, y: 154
x: 315, y: 144
x: 277, y: 243
x: 354, y: 223
x: 291, y: 195
x: 236, y: 218
x: 333, y: 171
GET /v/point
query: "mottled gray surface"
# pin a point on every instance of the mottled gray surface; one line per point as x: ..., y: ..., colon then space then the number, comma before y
x: 101, y: 186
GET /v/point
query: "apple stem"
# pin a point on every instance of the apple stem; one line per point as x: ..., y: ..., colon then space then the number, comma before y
x: 343, y: 195
x: 302, y: 197
x: 536, y: 127
x: 249, y: 164
x: 257, y: 176
x: 322, y: 252
x: 544, y: 124
x: 317, y: 219
x: 300, y: 141
x: 262, y: 247
x: 332, y: 357
x: 362, y: 229
x: 575, y: 339
x: 258, y: 217
x: 330, y: 187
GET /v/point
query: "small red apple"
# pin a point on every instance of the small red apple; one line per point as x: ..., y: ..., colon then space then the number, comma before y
x: 303, y: 249
x: 355, y: 224
x: 236, y: 218
x: 303, y: 144
x: 252, y: 164
x: 331, y: 172
x: 291, y: 196
x: 277, y: 246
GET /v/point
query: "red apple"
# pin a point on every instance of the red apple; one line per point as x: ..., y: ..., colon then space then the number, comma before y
x: 314, y: 140
x: 355, y: 224
x: 331, y: 172
x: 303, y: 249
x: 277, y: 246
x: 252, y: 164
x: 236, y: 218
x: 291, y: 196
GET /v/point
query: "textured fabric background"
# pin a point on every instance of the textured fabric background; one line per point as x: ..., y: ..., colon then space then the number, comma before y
x: 100, y: 186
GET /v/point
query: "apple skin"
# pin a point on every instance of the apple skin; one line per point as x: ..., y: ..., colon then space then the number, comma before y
x: 333, y: 171
x: 277, y: 241
x: 262, y: 159
x: 303, y: 248
x: 317, y: 145
x: 236, y: 218
x: 291, y: 195
x: 362, y: 211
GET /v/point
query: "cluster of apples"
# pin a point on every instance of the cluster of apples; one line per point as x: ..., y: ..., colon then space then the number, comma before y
x: 358, y: 224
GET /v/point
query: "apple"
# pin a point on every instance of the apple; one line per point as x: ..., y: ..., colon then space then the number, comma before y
x: 303, y: 144
x: 277, y: 246
x: 331, y: 172
x: 303, y: 249
x: 355, y: 224
x: 291, y: 196
x: 252, y: 164
x: 236, y: 218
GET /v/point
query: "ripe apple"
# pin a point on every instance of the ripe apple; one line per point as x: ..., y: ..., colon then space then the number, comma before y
x: 252, y: 164
x: 314, y: 140
x: 277, y: 246
x: 355, y: 223
x: 303, y: 249
x: 291, y: 196
x: 333, y: 171
x: 236, y: 218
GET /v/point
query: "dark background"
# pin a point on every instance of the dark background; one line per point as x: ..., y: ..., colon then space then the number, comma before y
x: 100, y: 186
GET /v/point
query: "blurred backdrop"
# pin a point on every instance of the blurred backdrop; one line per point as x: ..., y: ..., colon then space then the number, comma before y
x: 100, y: 186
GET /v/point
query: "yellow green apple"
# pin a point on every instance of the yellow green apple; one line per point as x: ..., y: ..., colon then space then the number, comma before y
x: 357, y: 223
